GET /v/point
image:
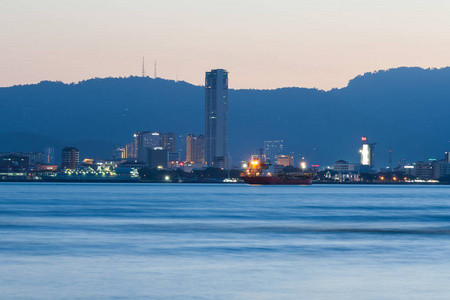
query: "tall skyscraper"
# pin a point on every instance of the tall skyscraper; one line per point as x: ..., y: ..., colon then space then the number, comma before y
x: 367, y: 153
x: 181, y: 147
x: 49, y: 153
x: 216, y: 116
x: 70, y: 158
x: 139, y: 148
x: 272, y: 149
x: 169, y: 142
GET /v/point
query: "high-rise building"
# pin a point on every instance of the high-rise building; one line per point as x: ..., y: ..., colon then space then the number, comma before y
x: 191, y: 141
x: 200, y: 149
x: 272, y: 149
x: 144, y: 140
x: 139, y: 152
x: 119, y: 153
x: 216, y: 116
x: 181, y: 147
x: 70, y: 158
x: 49, y: 153
x: 152, y: 140
x: 367, y: 153
x: 447, y: 156
x: 36, y: 158
x: 129, y: 151
x: 285, y: 160
x: 169, y: 142
x: 195, y: 148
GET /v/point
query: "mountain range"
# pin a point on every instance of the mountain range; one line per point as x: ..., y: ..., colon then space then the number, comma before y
x: 403, y: 109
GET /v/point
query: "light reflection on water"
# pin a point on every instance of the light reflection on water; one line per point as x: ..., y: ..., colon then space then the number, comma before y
x: 177, y: 241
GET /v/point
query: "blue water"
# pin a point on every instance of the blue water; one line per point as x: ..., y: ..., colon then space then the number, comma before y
x: 187, y: 241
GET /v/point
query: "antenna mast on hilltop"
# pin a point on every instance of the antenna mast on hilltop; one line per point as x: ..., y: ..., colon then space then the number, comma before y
x: 390, y: 158
x: 155, y: 70
x: 143, y: 67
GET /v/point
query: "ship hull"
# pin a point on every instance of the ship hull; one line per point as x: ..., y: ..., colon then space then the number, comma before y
x: 273, y: 180
x: 99, y: 179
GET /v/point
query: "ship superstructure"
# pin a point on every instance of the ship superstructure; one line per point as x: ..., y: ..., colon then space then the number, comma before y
x: 257, y: 172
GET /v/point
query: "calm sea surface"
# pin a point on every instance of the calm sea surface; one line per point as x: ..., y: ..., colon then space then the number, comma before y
x: 187, y: 241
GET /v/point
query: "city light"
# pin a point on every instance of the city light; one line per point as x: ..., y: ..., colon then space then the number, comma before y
x: 365, y: 155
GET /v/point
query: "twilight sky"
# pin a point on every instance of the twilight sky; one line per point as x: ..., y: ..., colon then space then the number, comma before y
x: 263, y: 44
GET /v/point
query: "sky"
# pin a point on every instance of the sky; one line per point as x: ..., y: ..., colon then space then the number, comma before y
x: 263, y: 44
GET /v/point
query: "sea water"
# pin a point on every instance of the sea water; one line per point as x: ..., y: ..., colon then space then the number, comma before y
x: 205, y: 241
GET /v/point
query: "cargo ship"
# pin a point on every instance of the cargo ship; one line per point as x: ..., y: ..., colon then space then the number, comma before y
x: 257, y: 173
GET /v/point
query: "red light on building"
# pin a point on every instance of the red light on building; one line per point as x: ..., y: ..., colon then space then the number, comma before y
x: 363, y: 138
x: 315, y: 166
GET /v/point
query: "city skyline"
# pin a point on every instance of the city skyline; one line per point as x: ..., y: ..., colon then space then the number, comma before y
x: 320, y: 44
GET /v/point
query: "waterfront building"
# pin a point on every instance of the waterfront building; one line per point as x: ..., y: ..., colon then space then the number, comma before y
x: 272, y: 149
x: 447, y: 156
x: 70, y: 158
x: 119, y: 153
x: 441, y: 168
x: 424, y: 170
x: 189, y: 167
x: 49, y: 153
x: 341, y: 165
x: 157, y: 158
x: 285, y: 160
x: 132, y: 164
x: 367, y: 153
x: 46, y: 168
x: 14, y: 163
x: 129, y: 151
x: 344, y: 166
x: 216, y: 117
x: 36, y: 158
